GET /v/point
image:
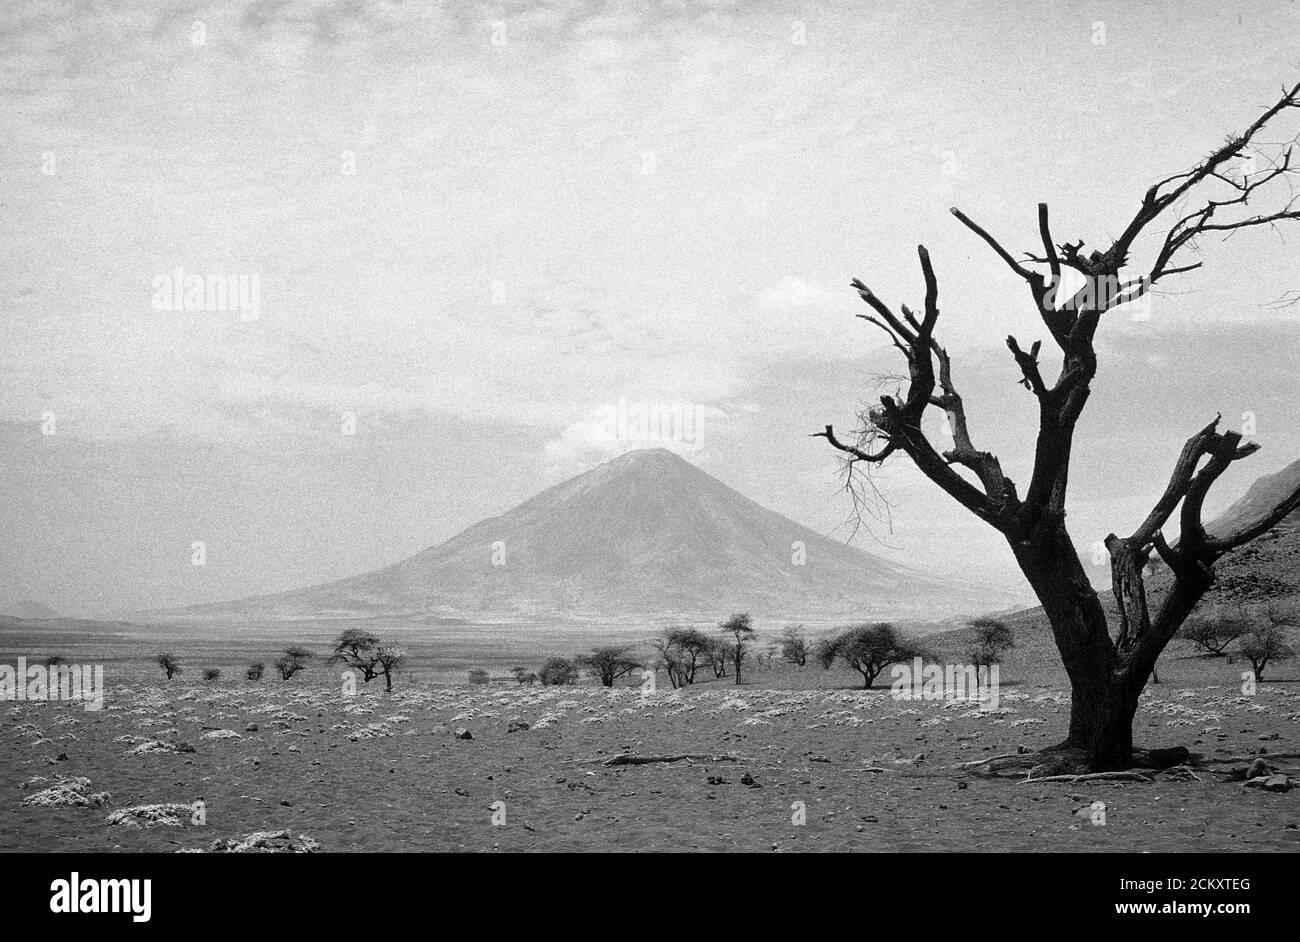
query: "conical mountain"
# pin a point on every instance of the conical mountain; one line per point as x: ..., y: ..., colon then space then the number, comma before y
x: 646, y: 534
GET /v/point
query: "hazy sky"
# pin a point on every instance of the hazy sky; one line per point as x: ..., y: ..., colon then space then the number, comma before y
x: 472, y: 230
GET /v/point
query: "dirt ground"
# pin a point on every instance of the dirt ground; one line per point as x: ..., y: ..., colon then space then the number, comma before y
x: 813, y: 769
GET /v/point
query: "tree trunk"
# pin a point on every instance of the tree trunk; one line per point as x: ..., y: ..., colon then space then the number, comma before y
x: 1102, y: 701
x: 1101, y: 721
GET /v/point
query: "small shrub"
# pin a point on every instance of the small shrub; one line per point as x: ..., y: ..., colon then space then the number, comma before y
x: 255, y: 671
x: 169, y: 662
x: 478, y: 676
x: 211, y: 673
x: 557, y: 672
x: 795, y: 647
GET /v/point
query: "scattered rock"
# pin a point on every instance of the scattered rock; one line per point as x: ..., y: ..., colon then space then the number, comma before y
x: 748, y: 780
x: 68, y: 793
x: 1259, y: 768
x: 1271, y: 783
x: 263, y: 842
x: 1168, y: 758
x: 517, y: 726
x: 171, y: 815
x: 158, y: 745
x: 463, y: 733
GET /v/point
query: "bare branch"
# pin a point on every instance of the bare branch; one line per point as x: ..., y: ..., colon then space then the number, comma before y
x: 974, y: 227
x: 1028, y: 363
x: 857, y: 453
x: 1201, y: 220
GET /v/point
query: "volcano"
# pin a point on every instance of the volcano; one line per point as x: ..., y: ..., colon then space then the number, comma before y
x: 646, y: 534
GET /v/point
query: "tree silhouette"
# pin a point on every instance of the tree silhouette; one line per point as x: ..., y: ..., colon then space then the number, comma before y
x: 1107, y: 671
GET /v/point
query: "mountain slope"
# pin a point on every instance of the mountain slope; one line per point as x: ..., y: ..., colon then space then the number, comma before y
x: 647, y: 533
x: 26, y: 608
x: 1269, y: 567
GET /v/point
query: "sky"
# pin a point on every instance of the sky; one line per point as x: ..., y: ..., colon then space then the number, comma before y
x: 461, y: 239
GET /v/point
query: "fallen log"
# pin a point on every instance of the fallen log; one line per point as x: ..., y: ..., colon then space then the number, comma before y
x: 629, y: 758
x: 1251, y: 758
x: 971, y: 765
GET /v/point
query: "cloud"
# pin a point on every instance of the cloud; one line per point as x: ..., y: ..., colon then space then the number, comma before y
x: 796, y: 292
x: 627, y: 425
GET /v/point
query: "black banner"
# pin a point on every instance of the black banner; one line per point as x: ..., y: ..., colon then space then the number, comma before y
x: 343, y: 891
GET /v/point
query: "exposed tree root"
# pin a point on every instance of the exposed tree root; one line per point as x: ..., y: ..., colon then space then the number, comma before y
x: 1182, y: 773
x: 1091, y: 777
x: 979, y: 762
x: 1068, y: 764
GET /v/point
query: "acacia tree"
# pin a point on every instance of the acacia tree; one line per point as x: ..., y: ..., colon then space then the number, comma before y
x: 868, y: 649
x: 389, y: 657
x: 293, y: 660
x: 795, y: 647
x: 1213, y: 632
x: 990, y: 639
x: 357, y: 649
x: 718, y: 656
x: 1264, y: 645
x: 681, y: 650
x: 741, y: 629
x: 610, y: 662
x: 1108, y: 670
x: 169, y: 662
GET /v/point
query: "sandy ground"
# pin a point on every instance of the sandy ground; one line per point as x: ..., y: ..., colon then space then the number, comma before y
x: 384, y: 772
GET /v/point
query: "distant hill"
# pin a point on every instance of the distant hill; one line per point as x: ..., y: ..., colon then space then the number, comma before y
x: 1268, y: 568
x: 646, y: 534
x: 1265, y: 570
x: 25, y: 608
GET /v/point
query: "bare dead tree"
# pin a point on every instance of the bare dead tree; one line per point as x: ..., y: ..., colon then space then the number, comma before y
x: 1107, y: 671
